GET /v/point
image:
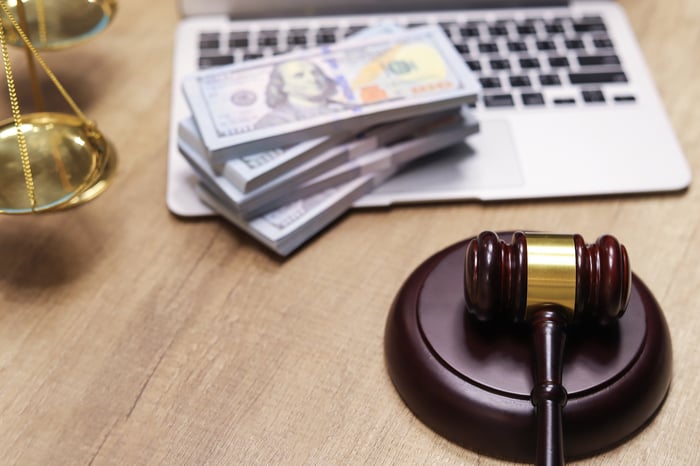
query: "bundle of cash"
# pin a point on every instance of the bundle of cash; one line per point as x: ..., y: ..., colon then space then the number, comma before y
x: 284, y: 145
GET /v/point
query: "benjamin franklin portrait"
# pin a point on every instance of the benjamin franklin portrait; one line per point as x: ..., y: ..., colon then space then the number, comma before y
x: 298, y: 90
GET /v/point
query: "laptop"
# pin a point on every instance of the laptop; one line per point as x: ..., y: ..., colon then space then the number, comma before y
x: 568, y: 106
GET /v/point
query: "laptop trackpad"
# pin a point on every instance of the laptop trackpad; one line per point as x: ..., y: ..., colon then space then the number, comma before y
x: 487, y: 161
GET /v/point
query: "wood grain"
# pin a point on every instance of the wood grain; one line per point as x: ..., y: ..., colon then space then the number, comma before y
x: 130, y: 336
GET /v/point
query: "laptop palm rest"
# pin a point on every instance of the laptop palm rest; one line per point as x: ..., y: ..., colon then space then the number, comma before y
x: 488, y: 160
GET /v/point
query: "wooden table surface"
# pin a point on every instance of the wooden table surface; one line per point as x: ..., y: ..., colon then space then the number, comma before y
x: 131, y: 336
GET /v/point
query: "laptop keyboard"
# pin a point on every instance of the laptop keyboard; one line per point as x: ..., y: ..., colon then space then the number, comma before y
x: 521, y: 63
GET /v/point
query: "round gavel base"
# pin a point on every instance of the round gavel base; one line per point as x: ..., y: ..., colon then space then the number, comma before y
x: 470, y: 382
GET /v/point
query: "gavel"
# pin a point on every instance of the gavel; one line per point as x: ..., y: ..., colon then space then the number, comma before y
x: 550, y: 281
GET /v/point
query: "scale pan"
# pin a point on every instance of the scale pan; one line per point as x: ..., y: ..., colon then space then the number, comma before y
x: 100, y: 183
x: 65, y: 158
x: 57, y: 24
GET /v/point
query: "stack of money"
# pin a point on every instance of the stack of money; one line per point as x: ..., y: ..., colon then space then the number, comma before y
x: 284, y: 145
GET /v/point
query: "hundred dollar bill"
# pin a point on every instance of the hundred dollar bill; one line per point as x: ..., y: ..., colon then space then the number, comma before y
x: 440, y: 133
x: 287, y: 228
x: 280, y: 101
x: 260, y: 199
x: 282, y: 167
x: 251, y: 172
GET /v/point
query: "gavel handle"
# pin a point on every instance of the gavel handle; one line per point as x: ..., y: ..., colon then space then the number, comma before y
x: 549, y: 395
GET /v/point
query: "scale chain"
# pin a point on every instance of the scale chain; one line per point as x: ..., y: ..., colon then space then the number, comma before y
x: 89, y: 126
x: 17, y: 117
x: 87, y: 122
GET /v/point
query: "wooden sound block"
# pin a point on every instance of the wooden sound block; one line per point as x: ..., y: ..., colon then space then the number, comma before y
x: 471, y: 382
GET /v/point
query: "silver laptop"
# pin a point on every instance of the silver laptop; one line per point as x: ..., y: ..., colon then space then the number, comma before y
x: 568, y: 105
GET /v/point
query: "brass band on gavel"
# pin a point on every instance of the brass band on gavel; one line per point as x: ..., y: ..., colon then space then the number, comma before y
x: 551, y: 272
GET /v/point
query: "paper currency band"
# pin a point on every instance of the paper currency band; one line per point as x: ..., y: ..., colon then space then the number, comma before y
x: 551, y: 272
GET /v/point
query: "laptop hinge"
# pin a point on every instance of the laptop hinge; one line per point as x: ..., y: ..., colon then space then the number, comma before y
x: 240, y: 9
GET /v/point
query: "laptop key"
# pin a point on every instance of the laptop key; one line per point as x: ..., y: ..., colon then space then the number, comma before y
x: 474, y: 65
x: 554, y: 28
x: 564, y: 101
x: 499, y: 100
x: 488, y: 47
x: 353, y: 29
x: 602, y: 43
x: 598, y: 77
x: 532, y: 98
x: 593, y: 96
x: 209, y: 40
x: 469, y: 31
x: 529, y: 63
x: 218, y: 60
x: 490, y: 82
x: 526, y: 29
x: 520, y: 81
x: 503, y: 21
x: 325, y: 37
x: 598, y: 60
x: 500, y: 64
x: 462, y: 48
x: 238, y: 40
x: 625, y: 98
x: 574, y: 44
x: 498, y: 30
x: 558, y: 62
x: 590, y: 25
x: 517, y: 46
x: 208, y: 44
x: 550, y: 80
x: 252, y: 56
x: 294, y: 39
x: 546, y: 45
x: 265, y: 40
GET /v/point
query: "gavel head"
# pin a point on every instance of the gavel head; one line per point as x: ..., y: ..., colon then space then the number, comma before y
x: 510, y: 281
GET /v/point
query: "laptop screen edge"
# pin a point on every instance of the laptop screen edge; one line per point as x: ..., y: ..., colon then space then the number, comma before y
x: 275, y: 8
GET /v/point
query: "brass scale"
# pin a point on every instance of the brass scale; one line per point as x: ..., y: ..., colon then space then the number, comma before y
x: 50, y: 161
